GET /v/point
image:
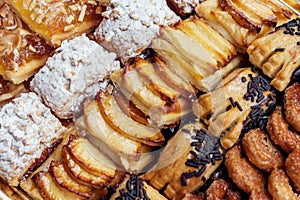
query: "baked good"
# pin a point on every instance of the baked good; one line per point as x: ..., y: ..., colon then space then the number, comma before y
x: 129, y: 26
x: 58, y: 21
x: 241, y: 22
x: 196, y: 52
x: 277, y: 53
x: 184, y: 7
x: 187, y: 161
x: 75, y: 72
x: 28, y: 129
x: 22, y: 52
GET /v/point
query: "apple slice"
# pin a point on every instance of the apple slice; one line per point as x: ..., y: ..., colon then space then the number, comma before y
x: 125, y: 125
x: 90, y: 158
x: 50, y: 190
x: 80, y: 174
x: 66, y: 181
x: 153, y: 82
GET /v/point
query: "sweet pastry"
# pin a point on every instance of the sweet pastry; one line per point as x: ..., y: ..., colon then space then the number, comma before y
x: 292, y: 167
x: 134, y: 187
x: 22, y: 53
x: 75, y: 72
x: 270, y: 53
x: 129, y: 26
x: 184, y: 7
x: 192, y: 42
x: 279, y: 186
x: 58, y: 21
x: 281, y: 135
x: 241, y: 100
x: 260, y: 194
x: 261, y: 151
x: 222, y: 189
x: 187, y: 161
x: 241, y: 22
x: 8, y: 90
x: 28, y: 130
x: 245, y: 175
x: 292, y: 105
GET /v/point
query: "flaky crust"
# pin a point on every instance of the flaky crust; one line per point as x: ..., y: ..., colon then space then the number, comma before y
x: 246, y: 176
x: 261, y: 151
x: 280, y: 133
x: 292, y: 167
x: 292, y: 105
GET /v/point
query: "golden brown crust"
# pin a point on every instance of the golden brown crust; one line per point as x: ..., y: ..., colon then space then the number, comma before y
x: 261, y: 151
x: 280, y: 133
x: 292, y: 167
x: 222, y: 189
x: 279, y: 186
x: 245, y: 175
x: 292, y: 105
x: 260, y: 194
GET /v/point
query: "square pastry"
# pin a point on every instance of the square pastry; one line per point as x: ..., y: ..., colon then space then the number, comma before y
x: 27, y: 130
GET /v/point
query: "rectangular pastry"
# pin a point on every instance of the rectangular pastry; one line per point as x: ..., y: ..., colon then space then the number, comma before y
x: 75, y: 72
x: 56, y: 21
x: 22, y: 52
x: 28, y: 128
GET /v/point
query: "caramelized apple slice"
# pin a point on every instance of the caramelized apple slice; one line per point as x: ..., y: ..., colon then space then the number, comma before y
x: 125, y: 125
x: 66, y: 181
x: 90, y: 158
x: 153, y: 82
x: 80, y: 174
x: 49, y: 189
x: 99, y: 128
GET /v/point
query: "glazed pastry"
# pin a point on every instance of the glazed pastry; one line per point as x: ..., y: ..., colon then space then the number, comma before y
x: 58, y: 21
x: 22, y: 53
x: 75, y: 72
x: 222, y: 189
x: 261, y: 151
x: 28, y: 129
x: 281, y: 135
x: 240, y: 101
x: 128, y: 27
x: 245, y: 175
x: 270, y: 54
x: 134, y: 187
x: 187, y: 161
x: 192, y: 42
x: 241, y: 22
x: 292, y: 167
x: 292, y: 105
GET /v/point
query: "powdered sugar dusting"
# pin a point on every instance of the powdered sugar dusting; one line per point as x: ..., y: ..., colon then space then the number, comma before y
x: 186, y: 6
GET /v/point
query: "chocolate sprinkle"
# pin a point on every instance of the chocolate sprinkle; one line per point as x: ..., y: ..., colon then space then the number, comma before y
x: 279, y: 50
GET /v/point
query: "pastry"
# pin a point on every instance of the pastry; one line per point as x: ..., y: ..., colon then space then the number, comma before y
x: 278, y: 58
x: 184, y: 7
x: 28, y: 129
x: 58, y: 21
x: 75, y: 72
x: 22, y: 53
x: 222, y: 189
x: 292, y: 167
x: 241, y: 22
x: 239, y: 101
x: 129, y: 26
x: 187, y: 161
x: 292, y: 105
x: 196, y: 52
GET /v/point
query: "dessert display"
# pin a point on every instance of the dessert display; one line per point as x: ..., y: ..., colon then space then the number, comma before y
x: 149, y: 99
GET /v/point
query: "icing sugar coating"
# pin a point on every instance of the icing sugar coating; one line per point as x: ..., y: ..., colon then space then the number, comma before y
x: 186, y: 6
x: 77, y: 71
x: 129, y: 26
x: 27, y: 128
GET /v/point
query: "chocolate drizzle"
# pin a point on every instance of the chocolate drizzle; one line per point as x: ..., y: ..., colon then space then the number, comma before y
x: 205, y: 151
x: 134, y: 190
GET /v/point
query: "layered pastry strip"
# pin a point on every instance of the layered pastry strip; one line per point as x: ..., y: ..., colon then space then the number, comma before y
x: 155, y: 91
x: 75, y: 72
x: 278, y: 53
x: 9, y: 90
x: 128, y: 27
x: 110, y: 133
x: 22, y: 53
x: 184, y: 7
x: 75, y: 170
x: 28, y: 133
x: 58, y: 21
x: 134, y: 187
x: 196, y: 52
x: 241, y: 101
x: 187, y: 161
x: 241, y: 22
